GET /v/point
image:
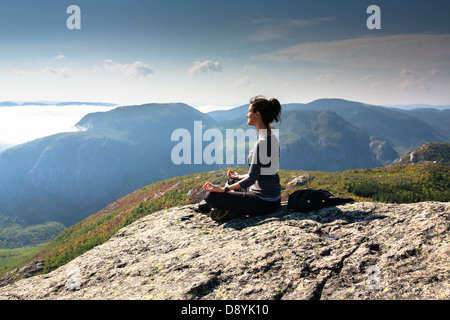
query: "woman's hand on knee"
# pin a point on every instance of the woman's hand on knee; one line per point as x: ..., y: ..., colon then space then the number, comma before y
x: 212, y: 188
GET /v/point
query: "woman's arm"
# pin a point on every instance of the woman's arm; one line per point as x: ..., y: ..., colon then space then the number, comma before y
x: 230, y: 174
x: 212, y: 188
x: 254, y: 170
x: 235, y: 175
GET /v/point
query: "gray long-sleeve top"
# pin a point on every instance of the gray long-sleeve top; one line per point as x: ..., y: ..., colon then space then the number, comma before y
x: 263, y: 161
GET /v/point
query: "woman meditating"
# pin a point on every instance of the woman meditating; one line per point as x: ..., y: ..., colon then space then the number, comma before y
x: 259, y: 191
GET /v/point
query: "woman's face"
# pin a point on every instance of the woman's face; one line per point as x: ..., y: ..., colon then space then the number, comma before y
x: 251, y: 116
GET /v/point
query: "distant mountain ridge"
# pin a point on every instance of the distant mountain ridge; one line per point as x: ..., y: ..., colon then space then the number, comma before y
x: 404, y: 130
x: 18, y: 104
x: 418, y: 106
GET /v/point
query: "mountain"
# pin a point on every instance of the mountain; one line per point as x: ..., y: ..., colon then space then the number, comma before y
x: 438, y: 119
x: 323, y: 140
x: 65, y: 177
x: 5, y: 146
x: 8, y: 104
x: 436, y: 152
x: 402, y: 129
x: 419, y: 106
x: 231, y: 114
x: 361, y: 251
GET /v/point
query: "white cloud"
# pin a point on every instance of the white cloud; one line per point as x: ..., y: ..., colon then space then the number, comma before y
x: 58, y: 72
x: 375, y: 84
x: 60, y: 57
x: 207, y: 66
x: 137, y: 69
x: 47, y: 72
x: 435, y: 72
x: 22, y: 74
x: 140, y: 69
x: 369, y: 78
x: 407, y: 73
x: 243, y: 82
x: 414, y: 80
x: 395, y: 51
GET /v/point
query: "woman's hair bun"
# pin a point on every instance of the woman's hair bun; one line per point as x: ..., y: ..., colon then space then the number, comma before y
x: 276, y: 109
x: 270, y: 110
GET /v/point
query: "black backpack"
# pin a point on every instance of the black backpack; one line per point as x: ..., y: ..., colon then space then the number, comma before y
x: 311, y: 200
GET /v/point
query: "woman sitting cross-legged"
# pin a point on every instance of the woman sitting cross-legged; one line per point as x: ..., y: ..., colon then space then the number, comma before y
x: 259, y: 191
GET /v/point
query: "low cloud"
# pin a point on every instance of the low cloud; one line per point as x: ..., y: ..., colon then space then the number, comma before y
x: 26, y: 123
x: 137, y: 69
x: 207, y: 66
x: 395, y: 51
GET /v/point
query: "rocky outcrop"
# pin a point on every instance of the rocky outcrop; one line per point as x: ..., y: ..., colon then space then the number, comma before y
x: 354, y: 251
x: 300, y: 180
x: 434, y: 152
x: 382, y: 152
x: 25, y: 271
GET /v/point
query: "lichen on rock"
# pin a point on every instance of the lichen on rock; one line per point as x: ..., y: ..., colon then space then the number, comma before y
x: 354, y: 251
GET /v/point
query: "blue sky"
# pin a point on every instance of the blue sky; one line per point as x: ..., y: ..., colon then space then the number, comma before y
x: 221, y: 53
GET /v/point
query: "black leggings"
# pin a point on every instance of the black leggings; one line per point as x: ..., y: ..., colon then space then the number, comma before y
x: 241, y: 202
